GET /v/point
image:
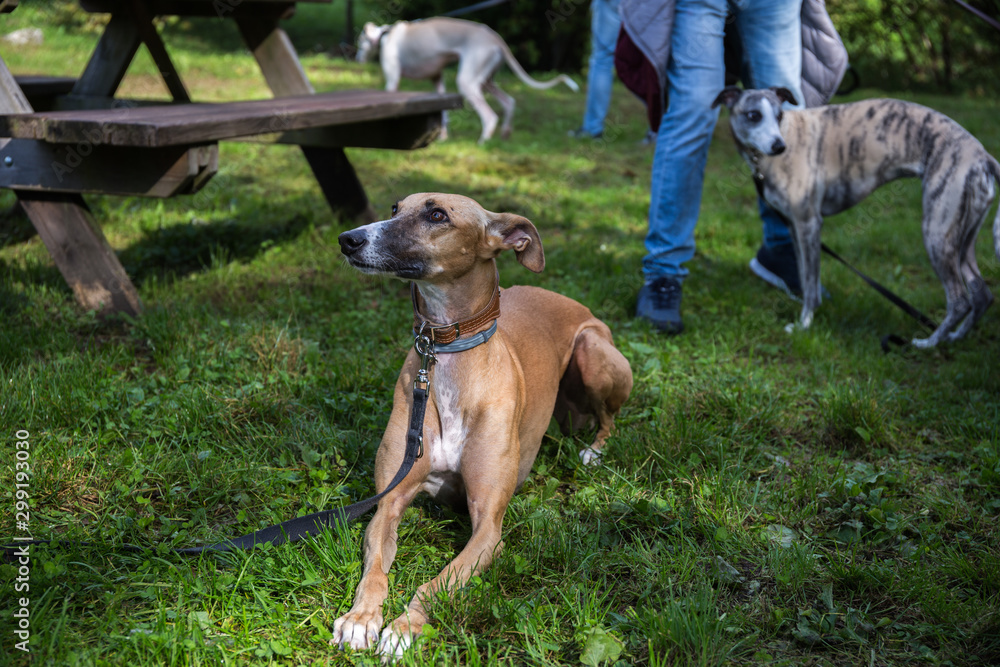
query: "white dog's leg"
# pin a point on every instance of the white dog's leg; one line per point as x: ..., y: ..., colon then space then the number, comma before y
x: 474, y: 71
x: 391, y: 68
x: 474, y: 95
x: 439, y: 87
x: 507, y: 103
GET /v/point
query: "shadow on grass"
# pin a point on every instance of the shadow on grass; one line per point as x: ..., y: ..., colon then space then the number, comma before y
x: 207, y: 35
x: 310, y: 29
x: 169, y: 253
x: 11, y: 302
x: 166, y: 254
x: 14, y: 226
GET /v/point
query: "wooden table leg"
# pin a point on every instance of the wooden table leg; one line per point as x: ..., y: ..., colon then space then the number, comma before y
x: 72, y: 236
x: 80, y: 251
x: 109, y: 62
x: 283, y: 72
x: 156, y: 48
x: 339, y: 183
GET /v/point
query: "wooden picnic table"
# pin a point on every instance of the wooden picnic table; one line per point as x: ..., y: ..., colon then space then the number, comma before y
x: 61, y: 138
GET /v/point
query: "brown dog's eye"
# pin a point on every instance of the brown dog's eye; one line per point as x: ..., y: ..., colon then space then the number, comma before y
x: 438, y: 216
x: 395, y: 209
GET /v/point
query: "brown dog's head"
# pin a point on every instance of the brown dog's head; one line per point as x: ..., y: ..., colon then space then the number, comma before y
x: 436, y: 237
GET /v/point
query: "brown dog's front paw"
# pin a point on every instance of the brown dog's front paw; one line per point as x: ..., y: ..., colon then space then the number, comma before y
x: 400, y: 634
x: 590, y: 456
x: 357, y: 629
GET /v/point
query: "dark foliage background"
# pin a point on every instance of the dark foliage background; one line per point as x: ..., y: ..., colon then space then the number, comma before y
x: 921, y: 44
x: 548, y: 35
x: 925, y: 45
x: 931, y: 45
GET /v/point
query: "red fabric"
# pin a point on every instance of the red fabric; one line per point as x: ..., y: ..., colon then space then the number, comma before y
x: 640, y: 77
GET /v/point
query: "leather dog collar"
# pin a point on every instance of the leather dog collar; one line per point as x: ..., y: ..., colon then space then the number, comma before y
x: 443, y: 334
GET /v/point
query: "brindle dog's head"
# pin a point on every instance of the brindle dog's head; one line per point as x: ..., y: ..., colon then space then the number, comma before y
x: 437, y: 238
x: 755, y: 116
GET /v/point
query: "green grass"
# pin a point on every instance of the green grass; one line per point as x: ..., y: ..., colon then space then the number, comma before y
x: 767, y: 499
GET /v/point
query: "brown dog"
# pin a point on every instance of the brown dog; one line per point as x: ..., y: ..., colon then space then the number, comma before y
x: 489, y: 405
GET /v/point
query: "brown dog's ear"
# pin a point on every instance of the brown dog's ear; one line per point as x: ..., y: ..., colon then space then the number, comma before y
x: 518, y: 234
x: 785, y: 95
x: 728, y: 96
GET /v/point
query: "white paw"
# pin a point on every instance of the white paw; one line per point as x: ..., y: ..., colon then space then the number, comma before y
x: 590, y: 456
x: 392, y: 646
x: 802, y: 324
x: 353, y: 633
x: 923, y: 343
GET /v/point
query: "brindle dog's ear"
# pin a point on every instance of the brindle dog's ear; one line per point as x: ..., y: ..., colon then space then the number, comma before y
x: 728, y: 96
x: 785, y: 95
x: 518, y: 234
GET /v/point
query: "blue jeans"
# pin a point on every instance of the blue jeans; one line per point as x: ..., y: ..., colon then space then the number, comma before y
x: 770, y: 31
x: 604, y: 26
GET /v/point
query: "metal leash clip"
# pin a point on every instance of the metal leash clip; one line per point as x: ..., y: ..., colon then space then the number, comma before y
x: 425, y: 349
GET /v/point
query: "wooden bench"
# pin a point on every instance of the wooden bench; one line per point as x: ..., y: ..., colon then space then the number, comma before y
x: 196, y: 123
x: 37, y: 85
x: 42, y: 91
x: 90, y: 141
x: 164, y: 150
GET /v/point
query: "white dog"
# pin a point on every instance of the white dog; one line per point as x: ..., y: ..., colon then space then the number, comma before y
x: 422, y: 49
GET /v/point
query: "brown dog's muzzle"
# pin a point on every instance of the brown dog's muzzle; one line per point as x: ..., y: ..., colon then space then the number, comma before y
x: 352, y: 241
x: 389, y: 253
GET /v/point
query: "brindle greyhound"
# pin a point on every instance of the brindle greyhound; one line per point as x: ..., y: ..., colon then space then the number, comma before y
x: 816, y: 162
x: 493, y: 389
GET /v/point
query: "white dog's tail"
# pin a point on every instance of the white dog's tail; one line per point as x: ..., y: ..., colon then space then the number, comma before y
x: 523, y: 76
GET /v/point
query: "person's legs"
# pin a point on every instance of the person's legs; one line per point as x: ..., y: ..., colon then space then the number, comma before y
x: 605, y: 25
x: 695, y: 76
x: 771, y: 34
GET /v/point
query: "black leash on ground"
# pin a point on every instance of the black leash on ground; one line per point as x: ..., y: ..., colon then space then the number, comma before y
x: 897, y: 300
x: 901, y: 303
x: 294, y: 530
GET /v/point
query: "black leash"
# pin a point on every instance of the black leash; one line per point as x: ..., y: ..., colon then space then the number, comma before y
x: 897, y: 300
x: 990, y: 21
x: 294, y: 530
x: 486, y: 4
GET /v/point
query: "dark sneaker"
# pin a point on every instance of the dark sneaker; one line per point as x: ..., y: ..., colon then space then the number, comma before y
x: 660, y: 304
x: 777, y: 267
x: 580, y: 133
